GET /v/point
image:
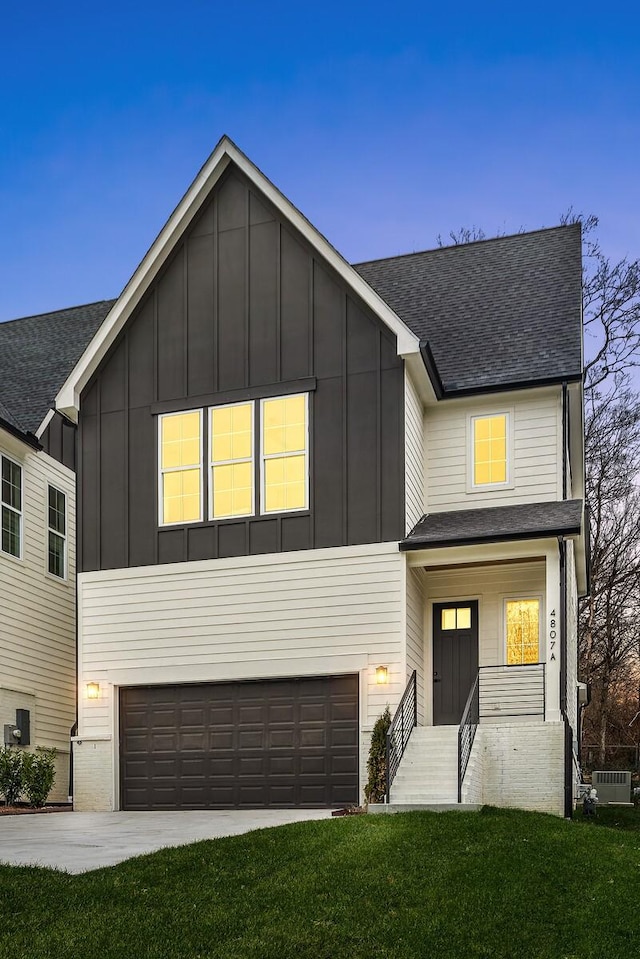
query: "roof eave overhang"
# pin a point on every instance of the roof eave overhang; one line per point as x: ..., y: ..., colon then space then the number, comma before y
x: 483, y: 389
x: 226, y: 152
x: 569, y: 532
x: 27, y: 438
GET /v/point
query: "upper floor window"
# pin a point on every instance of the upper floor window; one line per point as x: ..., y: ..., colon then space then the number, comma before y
x: 523, y: 631
x: 489, y: 449
x: 273, y: 433
x: 57, y: 533
x: 11, y: 497
x: 231, y: 461
x: 180, y: 455
x: 284, y: 454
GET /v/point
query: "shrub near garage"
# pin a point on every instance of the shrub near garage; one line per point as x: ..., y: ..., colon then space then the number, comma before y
x: 28, y: 774
x: 39, y: 775
x: 11, y: 774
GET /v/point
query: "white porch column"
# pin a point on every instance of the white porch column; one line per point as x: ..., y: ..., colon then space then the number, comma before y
x: 551, y: 636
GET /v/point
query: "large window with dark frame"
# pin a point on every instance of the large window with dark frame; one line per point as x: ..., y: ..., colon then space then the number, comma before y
x: 57, y: 533
x: 11, y: 498
x: 256, y: 454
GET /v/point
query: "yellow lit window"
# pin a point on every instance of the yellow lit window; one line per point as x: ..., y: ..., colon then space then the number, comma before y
x: 458, y: 617
x: 489, y: 449
x: 180, y: 467
x: 284, y: 454
x: 523, y: 631
x: 231, y: 443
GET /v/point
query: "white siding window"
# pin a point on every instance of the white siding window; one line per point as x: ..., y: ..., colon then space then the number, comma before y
x: 57, y: 533
x: 11, y: 496
x: 490, y: 446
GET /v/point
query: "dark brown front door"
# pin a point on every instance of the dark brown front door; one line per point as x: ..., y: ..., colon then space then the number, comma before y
x: 455, y: 658
x: 288, y: 742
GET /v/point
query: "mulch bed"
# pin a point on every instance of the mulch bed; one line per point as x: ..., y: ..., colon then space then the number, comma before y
x: 28, y: 811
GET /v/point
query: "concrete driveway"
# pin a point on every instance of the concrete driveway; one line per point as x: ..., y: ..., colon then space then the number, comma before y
x: 80, y: 841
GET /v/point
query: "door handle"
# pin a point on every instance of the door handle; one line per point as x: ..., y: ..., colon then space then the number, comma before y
x: 436, y: 678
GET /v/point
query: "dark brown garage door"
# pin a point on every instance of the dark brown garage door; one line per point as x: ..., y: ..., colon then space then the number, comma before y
x: 290, y: 742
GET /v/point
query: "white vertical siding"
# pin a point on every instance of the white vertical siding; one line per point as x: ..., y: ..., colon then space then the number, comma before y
x: 37, y: 621
x: 415, y: 633
x: 537, y: 467
x: 414, y: 454
x: 572, y: 639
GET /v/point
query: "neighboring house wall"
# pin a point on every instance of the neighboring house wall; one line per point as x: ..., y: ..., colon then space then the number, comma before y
x: 414, y: 454
x: 536, y: 454
x: 243, y: 303
x: 318, y: 613
x: 37, y: 626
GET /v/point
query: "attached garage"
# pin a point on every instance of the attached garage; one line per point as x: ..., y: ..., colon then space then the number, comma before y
x: 278, y: 743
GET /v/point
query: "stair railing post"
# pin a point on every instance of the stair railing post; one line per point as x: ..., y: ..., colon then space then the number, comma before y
x: 386, y: 771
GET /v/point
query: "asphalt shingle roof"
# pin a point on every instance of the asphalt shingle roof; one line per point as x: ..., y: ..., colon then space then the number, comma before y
x: 488, y: 524
x: 495, y: 312
x: 37, y: 353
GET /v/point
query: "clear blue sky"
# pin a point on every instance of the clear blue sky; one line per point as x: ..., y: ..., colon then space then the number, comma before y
x: 385, y: 128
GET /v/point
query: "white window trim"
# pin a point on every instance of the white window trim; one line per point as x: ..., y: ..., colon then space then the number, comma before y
x: 270, y: 456
x: 63, y: 536
x: 20, y: 512
x: 177, y: 469
x: 246, y: 459
x: 472, y: 487
x: 521, y: 597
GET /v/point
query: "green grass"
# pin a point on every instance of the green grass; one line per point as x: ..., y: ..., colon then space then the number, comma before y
x: 496, y: 884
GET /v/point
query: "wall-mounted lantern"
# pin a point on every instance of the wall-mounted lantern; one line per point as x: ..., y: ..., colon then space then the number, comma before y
x: 93, y: 690
x: 382, y: 675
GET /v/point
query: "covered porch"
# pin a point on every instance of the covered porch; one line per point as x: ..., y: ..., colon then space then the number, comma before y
x: 486, y: 636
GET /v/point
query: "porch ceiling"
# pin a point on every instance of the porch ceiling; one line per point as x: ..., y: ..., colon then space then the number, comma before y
x: 496, y: 524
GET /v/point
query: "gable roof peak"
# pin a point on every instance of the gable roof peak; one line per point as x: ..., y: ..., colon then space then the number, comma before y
x: 68, y: 398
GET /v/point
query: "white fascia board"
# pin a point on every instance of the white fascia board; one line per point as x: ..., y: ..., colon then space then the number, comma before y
x: 481, y: 553
x: 67, y: 400
x: 41, y: 429
x: 420, y: 378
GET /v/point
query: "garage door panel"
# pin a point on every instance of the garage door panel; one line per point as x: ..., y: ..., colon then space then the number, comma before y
x: 255, y: 744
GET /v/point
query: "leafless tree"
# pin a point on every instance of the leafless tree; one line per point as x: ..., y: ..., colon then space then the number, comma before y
x: 610, y: 616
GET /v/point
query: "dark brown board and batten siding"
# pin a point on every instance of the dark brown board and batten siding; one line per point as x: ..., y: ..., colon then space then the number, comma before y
x: 59, y: 440
x: 243, y: 303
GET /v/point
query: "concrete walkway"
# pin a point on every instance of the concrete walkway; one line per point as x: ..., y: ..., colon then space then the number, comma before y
x: 80, y: 841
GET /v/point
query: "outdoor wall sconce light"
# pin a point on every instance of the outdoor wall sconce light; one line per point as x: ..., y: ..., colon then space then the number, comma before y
x: 93, y: 690
x: 382, y: 675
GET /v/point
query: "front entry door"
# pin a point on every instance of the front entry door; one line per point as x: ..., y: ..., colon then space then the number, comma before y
x: 455, y: 659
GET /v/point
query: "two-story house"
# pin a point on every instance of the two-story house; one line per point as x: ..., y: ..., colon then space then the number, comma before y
x: 37, y: 543
x: 306, y: 489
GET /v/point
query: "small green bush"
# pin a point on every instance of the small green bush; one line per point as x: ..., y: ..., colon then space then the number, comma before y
x: 376, y: 788
x: 38, y: 775
x: 11, y: 769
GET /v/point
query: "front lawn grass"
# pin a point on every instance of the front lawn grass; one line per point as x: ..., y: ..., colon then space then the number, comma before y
x: 494, y: 884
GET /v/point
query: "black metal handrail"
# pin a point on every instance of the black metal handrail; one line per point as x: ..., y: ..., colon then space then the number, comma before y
x: 405, y: 719
x: 467, y: 731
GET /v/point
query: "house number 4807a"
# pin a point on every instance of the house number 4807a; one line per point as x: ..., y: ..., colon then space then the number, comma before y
x: 552, y: 635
